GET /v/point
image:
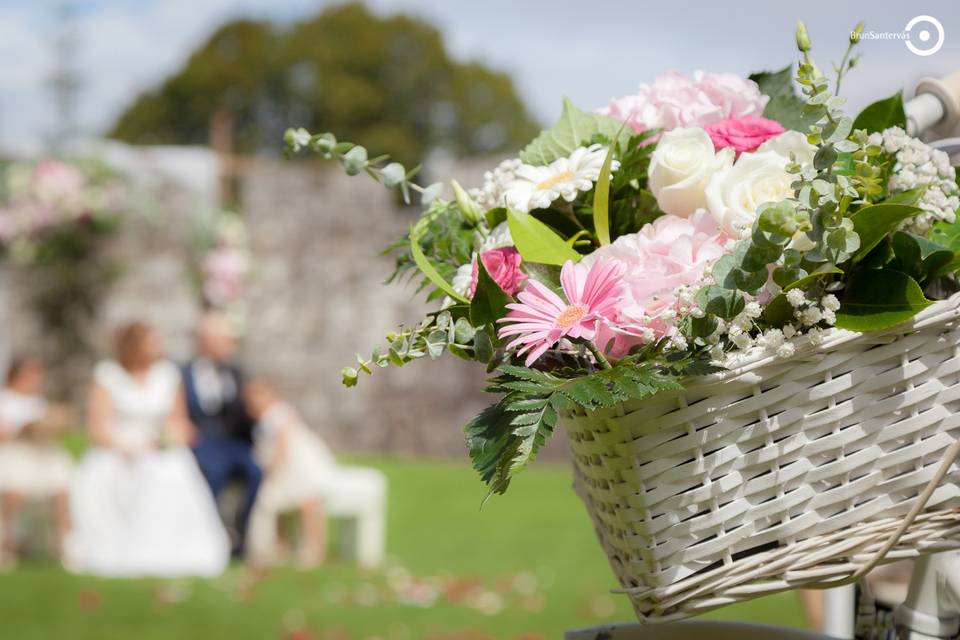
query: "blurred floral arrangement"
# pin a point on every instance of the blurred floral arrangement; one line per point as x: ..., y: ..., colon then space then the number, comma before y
x: 670, y: 234
x: 55, y: 217
x: 39, y: 200
x: 222, y: 265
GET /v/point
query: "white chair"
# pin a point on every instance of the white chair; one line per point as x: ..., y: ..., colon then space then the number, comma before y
x: 360, y: 496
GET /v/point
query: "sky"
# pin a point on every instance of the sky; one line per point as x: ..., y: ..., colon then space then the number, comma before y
x: 589, y: 51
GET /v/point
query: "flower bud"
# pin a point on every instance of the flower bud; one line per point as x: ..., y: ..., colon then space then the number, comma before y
x: 856, y: 33
x: 469, y: 209
x: 803, y: 40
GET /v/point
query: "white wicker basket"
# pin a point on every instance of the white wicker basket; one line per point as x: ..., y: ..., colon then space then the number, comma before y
x: 781, y: 473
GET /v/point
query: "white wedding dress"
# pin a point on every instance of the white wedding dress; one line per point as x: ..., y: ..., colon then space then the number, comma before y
x: 148, y: 514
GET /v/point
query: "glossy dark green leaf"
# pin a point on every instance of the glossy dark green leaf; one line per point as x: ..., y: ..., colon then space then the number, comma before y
x: 874, y: 222
x: 489, y: 300
x: 877, y: 299
x: 779, y: 311
x: 882, y: 114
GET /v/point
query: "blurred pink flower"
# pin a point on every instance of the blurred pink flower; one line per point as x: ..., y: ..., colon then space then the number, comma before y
x: 503, y: 265
x: 676, y: 100
x: 743, y: 134
x: 666, y: 254
x: 57, y: 181
x: 225, y: 274
x: 541, y: 318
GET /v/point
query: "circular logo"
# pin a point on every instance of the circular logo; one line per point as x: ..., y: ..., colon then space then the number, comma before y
x: 923, y: 35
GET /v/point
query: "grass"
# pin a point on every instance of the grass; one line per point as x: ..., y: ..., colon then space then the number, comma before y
x: 526, y: 566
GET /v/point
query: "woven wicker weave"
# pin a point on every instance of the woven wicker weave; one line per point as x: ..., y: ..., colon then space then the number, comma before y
x: 777, y: 474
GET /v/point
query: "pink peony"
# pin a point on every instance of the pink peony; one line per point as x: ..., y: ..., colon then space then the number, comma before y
x: 503, y: 265
x: 743, y: 134
x: 541, y: 318
x: 676, y: 100
x: 666, y: 254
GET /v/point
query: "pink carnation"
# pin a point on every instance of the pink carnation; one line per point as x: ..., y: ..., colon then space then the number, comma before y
x: 743, y: 134
x: 676, y: 100
x: 503, y: 265
x: 666, y: 254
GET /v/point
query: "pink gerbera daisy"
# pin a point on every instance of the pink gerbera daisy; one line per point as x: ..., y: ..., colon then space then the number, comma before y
x: 541, y: 318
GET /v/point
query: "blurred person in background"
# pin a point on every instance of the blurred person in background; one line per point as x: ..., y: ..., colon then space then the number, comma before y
x: 298, y: 469
x: 214, y: 397
x: 32, y: 464
x: 140, y: 504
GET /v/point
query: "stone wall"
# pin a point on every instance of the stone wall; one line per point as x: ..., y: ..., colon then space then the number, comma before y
x: 316, y: 297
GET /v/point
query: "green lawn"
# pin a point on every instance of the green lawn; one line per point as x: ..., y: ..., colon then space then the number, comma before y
x: 526, y: 566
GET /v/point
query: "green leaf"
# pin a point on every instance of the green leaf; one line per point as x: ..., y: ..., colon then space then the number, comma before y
x: 947, y: 234
x: 882, y: 114
x: 723, y: 303
x: 537, y: 242
x: 877, y: 299
x: 920, y: 257
x: 489, y: 300
x: 874, y: 222
x: 785, y: 106
x: 775, y: 83
x: 427, y: 268
x: 779, y: 311
x: 601, y: 198
x: 483, y: 345
x: 575, y: 128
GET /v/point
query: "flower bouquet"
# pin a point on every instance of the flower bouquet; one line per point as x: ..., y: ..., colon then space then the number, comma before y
x: 740, y: 304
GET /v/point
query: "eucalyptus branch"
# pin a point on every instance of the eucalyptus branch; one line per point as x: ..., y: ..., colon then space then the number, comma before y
x: 354, y: 160
x: 847, y: 62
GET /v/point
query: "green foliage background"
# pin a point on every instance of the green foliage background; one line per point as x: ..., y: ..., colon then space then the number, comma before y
x: 386, y: 83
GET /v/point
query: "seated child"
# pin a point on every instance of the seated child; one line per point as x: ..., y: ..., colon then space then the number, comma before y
x: 32, y: 465
x: 297, y: 466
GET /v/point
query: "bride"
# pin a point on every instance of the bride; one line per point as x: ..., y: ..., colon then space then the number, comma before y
x: 140, y: 505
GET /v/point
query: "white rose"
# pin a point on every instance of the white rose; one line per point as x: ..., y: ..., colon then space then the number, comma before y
x: 734, y: 194
x: 790, y: 141
x: 681, y: 167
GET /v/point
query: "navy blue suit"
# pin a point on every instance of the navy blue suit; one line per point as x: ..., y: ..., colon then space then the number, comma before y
x: 224, y: 446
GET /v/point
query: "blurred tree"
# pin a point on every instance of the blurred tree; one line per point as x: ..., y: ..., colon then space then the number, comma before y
x: 386, y: 83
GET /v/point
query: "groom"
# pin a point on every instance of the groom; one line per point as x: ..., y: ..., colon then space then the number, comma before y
x: 214, y: 394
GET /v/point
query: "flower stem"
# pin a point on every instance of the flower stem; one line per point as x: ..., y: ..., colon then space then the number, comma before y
x: 600, y: 358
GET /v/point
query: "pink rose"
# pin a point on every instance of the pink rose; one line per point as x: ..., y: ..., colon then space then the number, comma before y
x: 743, y: 134
x: 676, y: 100
x: 503, y: 265
x: 666, y: 254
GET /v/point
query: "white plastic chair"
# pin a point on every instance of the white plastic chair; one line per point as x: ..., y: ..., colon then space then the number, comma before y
x: 360, y: 496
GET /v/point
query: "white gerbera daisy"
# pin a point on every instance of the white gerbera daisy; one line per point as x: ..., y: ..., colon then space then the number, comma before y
x: 537, y: 187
